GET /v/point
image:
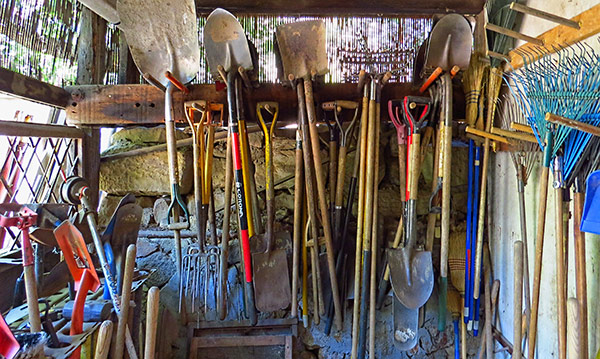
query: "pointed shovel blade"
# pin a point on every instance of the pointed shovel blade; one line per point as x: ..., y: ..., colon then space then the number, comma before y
x: 411, y: 277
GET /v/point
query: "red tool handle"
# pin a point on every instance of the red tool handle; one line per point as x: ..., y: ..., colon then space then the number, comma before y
x: 241, y: 202
x: 86, y: 283
x: 436, y: 73
x: 176, y: 82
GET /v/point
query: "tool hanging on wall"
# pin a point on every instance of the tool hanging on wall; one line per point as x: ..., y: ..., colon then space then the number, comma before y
x: 228, y: 52
x: 271, y: 284
x: 169, y: 53
x: 304, y: 56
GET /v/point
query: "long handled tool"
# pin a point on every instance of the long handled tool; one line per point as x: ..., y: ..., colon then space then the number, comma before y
x: 337, y: 107
x: 82, y: 269
x: 103, y: 342
x: 412, y: 271
x: 303, y: 52
x: 24, y: 220
x: 449, y: 45
x: 126, y: 294
x: 224, y: 252
x: 76, y: 191
x: 227, y: 51
x: 298, y: 225
x: 151, y: 322
x: 271, y: 284
x: 171, y: 48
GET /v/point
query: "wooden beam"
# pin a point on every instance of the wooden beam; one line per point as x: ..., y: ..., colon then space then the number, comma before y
x: 31, y: 89
x: 91, y: 59
x: 562, y: 35
x: 120, y: 105
x: 343, y: 7
x: 14, y: 128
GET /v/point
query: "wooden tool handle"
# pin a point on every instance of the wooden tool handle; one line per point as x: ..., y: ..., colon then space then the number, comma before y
x: 103, y: 341
x: 517, y: 297
x: 151, y: 321
x: 125, y: 297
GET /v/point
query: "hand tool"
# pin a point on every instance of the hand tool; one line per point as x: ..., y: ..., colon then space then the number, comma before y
x: 75, y: 190
x: 127, y: 280
x: 82, y: 269
x: 412, y: 271
x: 298, y: 226
x: 517, y: 297
x: 334, y: 138
x: 103, y: 341
x: 449, y: 45
x: 24, y: 219
x: 151, y: 322
x: 580, y: 268
x: 169, y: 52
x: 364, y: 122
x: 305, y: 227
x: 303, y: 52
x: 337, y: 107
x: 271, y: 284
x: 227, y: 50
x: 222, y: 287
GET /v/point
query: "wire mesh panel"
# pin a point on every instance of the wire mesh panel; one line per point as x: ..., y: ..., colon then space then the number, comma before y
x: 33, y: 169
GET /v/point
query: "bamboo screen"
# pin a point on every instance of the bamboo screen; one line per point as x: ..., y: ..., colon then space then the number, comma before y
x: 38, y: 38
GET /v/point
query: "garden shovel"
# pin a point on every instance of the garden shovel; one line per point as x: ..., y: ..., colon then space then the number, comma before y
x: 302, y: 47
x: 412, y: 271
x: 163, y: 40
x: 272, y: 280
x: 227, y: 52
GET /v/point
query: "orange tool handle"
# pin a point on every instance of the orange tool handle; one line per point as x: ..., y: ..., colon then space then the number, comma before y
x: 432, y: 77
x: 176, y: 82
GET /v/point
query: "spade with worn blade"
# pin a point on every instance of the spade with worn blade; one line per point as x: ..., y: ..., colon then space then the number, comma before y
x: 412, y: 271
x: 272, y: 280
x: 162, y: 36
x: 227, y: 52
x: 449, y: 44
x: 302, y: 47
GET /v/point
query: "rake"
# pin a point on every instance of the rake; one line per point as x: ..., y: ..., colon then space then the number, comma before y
x: 563, y: 84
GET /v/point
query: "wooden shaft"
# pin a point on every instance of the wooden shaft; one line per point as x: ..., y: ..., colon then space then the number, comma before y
x: 32, y: 299
x: 151, y: 322
x: 314, y: 140
x: 341, y: 176
x: 315, y: 282
x: 486, y: 135
x: 578, y: 125
x: 489, y: 343
x: 333, y: 170
x: 374, y: 242
x: 517, y: 298
x: 574, y: 338
x: 463, y: 333
x: 222, y: 289
x: 431, y: 217
x: 305, y: 270
x: 561, y: 275
x: 580, y: 274
x: 537, y: 270
x: 544, y: 15
x: 521, y: 127
x: 298, y: 196
x: 513, y: 34
x: 103, y: 341
x: 446, y: 188
x: 125, y: 297
x: 359, y: 220
x: 514, y: 134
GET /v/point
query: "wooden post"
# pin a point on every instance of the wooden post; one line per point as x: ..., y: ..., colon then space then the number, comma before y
x: 91, y: 59
x: 128, y: 73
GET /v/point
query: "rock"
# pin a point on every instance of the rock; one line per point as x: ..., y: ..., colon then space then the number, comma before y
x: 146, y: 174
x: 160, y: 210
x: 146, y: 217
x: 145, y: 248
x: 136, y: 137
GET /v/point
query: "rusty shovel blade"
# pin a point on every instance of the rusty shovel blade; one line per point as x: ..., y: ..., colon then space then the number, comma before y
x: 271, y: 277
x: 302, y: 47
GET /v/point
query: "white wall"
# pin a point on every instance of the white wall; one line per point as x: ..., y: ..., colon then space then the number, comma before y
x: 506, y: 225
